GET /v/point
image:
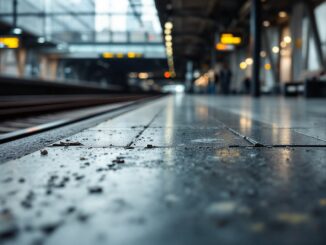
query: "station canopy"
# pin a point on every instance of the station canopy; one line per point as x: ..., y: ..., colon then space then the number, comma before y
x: 89, y: 25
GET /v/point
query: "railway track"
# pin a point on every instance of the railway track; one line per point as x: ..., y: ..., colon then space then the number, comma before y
x: 21, y: 116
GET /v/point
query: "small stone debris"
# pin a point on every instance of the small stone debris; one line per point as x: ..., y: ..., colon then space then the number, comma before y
x: 79, y: 177
x: 44, y: 152
x: 21, y: 180
x: 129, y: 147
x: 48, y: 192
x: 70, y: 210
x: 149, y: 146
x: 48, y: 224
x: 27, y: 203
x: 50, y: 228
x: 55, y: 182
x: 119, y: 160
x: 82, y: 158
x: 95, y: 190
x: 68, y: 144
x: 82, y: 217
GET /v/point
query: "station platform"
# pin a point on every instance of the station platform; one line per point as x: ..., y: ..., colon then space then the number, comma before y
x: 179, y: 170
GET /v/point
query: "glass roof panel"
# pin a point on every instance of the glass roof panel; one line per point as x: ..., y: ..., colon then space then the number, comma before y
x: 75, y: 21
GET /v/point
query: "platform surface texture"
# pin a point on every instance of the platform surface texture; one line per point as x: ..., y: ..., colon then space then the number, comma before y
x: 180, y: 170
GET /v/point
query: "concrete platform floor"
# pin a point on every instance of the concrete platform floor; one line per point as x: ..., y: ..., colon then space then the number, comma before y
x: 180, y: 170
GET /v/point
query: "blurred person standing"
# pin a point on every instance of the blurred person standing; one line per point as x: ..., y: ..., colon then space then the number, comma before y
x: 225, y: 79
x: 246, y: 86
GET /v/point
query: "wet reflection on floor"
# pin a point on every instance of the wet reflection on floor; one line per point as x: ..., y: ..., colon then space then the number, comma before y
x: 174, y: 180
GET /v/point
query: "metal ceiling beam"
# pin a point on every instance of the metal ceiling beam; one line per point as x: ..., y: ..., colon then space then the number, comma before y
x: 316, y: 36
x: 54, y: 14
x: 63, y: 24
x: 135, y: 13
x: 256, y: 27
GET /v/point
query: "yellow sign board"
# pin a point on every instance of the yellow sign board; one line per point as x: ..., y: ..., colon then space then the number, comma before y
x: 108, y: 55
x: 9, y: 42
x: 130, y: 55
x: 228, y: 38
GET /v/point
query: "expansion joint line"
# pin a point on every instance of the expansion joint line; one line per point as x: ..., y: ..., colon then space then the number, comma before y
x: 144, y: 129
x: 246, y: 138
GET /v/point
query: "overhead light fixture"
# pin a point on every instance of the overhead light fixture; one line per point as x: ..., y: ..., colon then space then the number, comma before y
x: 249, y: 61
x: 282, y: 14
x: 287, y: 39
x: 168, y: 38
x: 168, y: 44
x: 143, y: 75
x: 17, y: 31
x: 41, y: 40
x: 61, y: 46
x: 243, y: 65
x: 168, y: 25
x: 266, y: 23
x: 276, y: 49
x: 167, y: 31
x: 263, y: 54
x: 169, y: 50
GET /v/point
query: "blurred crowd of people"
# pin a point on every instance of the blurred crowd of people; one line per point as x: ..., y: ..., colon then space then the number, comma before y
x: 221, y: 84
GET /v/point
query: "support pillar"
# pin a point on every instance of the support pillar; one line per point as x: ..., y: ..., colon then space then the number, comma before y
x: 20, y: 61
x: 296, y: 26
x: 43, y: 67
x: 1, y: 65
x: 306, y: 51
x: 316, y: 36
x: 53, y: 68
x: 273, y: 62
x: 255, y: 30
x: 189, y: 75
